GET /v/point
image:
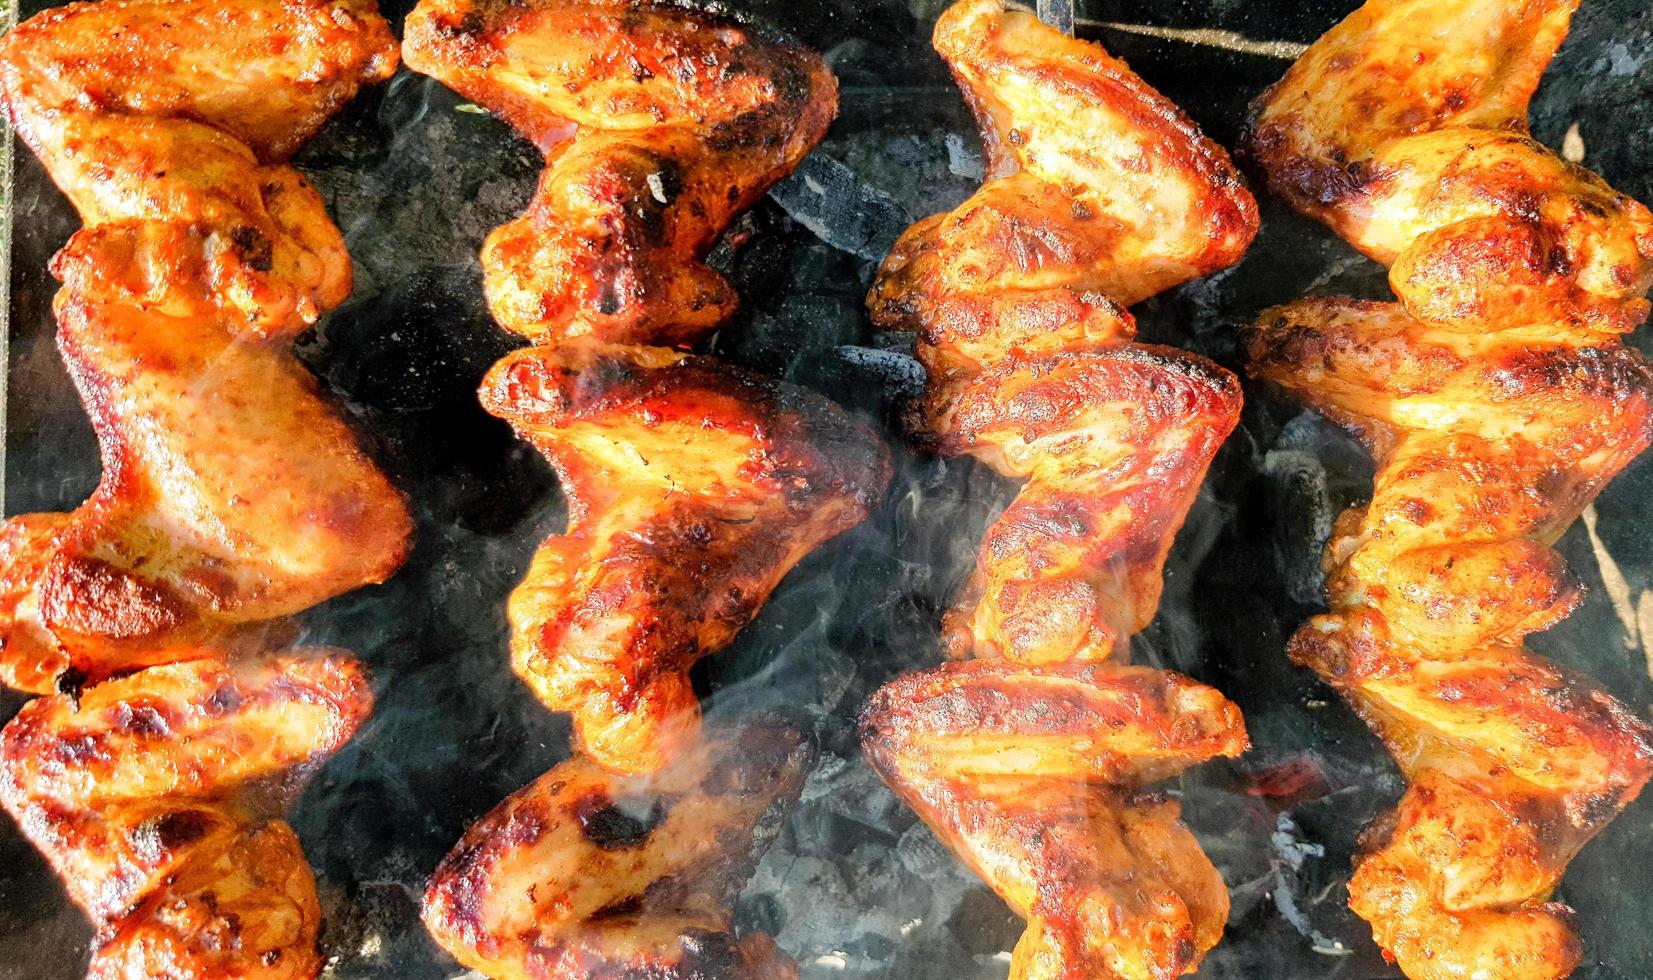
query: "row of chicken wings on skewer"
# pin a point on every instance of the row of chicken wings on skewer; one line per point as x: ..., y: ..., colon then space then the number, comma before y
x: 1496, y: 395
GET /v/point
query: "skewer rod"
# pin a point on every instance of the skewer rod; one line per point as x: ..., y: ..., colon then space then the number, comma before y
x: 1057, y: 14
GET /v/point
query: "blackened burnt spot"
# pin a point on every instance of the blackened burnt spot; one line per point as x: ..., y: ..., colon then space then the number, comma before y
x: 70, y: 683
x: 613, y: 827
x: 172, y: 831
x: 630, y: 905
x: 255, y: 247
x: 749, y: 129
x: 793, y: 83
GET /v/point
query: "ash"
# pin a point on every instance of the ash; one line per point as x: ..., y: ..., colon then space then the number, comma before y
x: 856, y: 887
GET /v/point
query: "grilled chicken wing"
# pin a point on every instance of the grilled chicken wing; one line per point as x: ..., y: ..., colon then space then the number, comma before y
x: 1030, y: 759
x: 659, y: 125
x: 154, y: 796
x: 1032, y: 775
x: 693, y: 488
x: 1498, y: 401
x: 589, y: 874
x: 231, y: 492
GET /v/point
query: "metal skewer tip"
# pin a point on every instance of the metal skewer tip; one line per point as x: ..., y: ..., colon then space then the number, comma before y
x: 1057, y: 14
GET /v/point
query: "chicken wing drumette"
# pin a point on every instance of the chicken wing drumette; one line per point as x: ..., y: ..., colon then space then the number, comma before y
x: 1498, y: 400
x: 1031, y: 757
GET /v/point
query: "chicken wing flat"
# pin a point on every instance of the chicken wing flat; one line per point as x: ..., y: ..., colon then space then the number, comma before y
x: 231, y: 492
x: 693, y: 488
x: 589, y: 874
x: 1498, y: 400
x: 1031, y: 756
x: 154, y: 797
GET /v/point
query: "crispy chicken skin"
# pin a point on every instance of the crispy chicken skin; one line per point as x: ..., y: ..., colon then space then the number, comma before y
x: 1497, y: 400
x: 589, y: 874
x: 155, y: 798
x: 231, y: 492
x: 1033, y: 774
x: 693, y: 488
x: 659, y: 125
x: 1029, y: 756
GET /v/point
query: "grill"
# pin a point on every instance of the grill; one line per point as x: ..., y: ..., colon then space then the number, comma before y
x: 855, y: 887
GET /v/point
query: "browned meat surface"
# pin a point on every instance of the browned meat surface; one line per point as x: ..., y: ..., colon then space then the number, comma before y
x: 659, y: 125
x: 585, y: 873
x: 1497, y: 399
x: 693, y: 489
x: 156, y: 797
x: 1030, y: 757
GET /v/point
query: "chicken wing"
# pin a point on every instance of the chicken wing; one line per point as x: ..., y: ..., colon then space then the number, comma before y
x: 1030, y: 757
x: 154, y: 797
x: 659, y: 125
x: 693, y: 489
x: 584, y: 873
x: 1498, y: 400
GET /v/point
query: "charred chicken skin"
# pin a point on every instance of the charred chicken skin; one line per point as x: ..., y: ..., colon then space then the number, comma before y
x: 155, y: 796
x: 1498, y: 400
x: 1031, y: 753
x: 692, y: 487
x: 591, y: 874
x: 231, y: 493
x: 659, y: 125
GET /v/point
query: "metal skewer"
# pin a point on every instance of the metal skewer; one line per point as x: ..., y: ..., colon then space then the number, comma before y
x: 1057, y: 14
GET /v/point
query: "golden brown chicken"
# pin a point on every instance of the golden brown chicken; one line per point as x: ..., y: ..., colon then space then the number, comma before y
x: 1030, y: 759
x: 1497, y: 400
x: 231, y: 493
x: 588, y: 874
x: 692, y: 487
x: 155, y: 797
x: 659, y: 125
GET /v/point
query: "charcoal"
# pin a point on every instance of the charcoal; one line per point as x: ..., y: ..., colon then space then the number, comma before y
x: 830, y: 200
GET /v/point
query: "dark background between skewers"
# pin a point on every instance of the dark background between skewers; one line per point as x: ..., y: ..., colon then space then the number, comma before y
x: 855, y: 887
